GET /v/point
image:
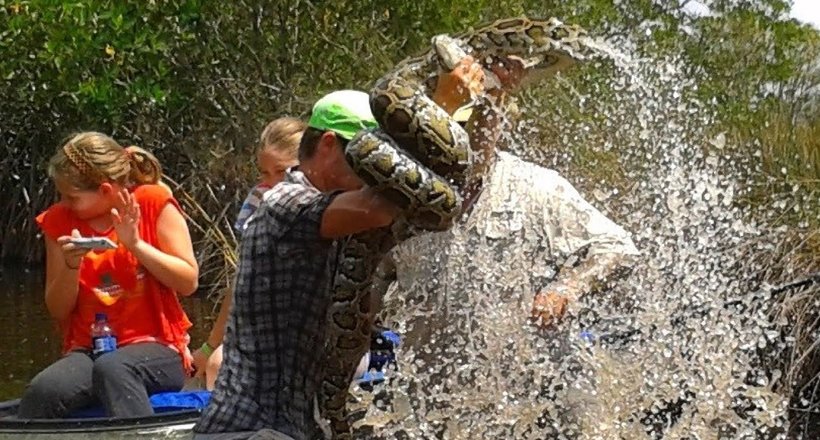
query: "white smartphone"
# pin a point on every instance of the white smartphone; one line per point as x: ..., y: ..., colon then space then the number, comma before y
x: 93, y: 243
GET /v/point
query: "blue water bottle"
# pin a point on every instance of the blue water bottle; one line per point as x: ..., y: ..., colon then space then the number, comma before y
x: 102, y: 338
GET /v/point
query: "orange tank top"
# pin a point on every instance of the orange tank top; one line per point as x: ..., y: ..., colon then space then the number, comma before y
x: 139, y: 308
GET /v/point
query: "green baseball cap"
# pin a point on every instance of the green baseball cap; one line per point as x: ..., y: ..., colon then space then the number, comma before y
x: 344, y: 112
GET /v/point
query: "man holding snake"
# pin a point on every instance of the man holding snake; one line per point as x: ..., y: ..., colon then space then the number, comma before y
x: 266, y: 388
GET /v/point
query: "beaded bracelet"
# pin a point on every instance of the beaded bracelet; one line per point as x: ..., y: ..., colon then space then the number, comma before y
x: 207, y: 349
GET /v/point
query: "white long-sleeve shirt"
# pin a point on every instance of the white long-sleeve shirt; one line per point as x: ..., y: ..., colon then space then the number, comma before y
x: 527, y: 221
x: 469, y: 290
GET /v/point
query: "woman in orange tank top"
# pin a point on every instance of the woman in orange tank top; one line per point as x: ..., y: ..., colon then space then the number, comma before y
x: 113, y: 192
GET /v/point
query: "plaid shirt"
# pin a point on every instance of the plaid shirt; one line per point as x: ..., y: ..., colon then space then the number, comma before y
x: 274, y: 342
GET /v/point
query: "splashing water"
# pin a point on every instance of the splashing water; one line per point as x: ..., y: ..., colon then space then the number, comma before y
x: 663, y: 359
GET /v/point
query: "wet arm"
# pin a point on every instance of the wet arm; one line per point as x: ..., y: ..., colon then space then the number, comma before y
x: 578, y: 227
x: 173, y: 263
x: 484, y: 129
x: 218, y: 331
x: 356, y: 211
x: 454, y: 88
x: 593, y: 274
x: 486, y: 122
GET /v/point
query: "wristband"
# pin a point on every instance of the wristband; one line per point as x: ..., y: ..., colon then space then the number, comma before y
x: 206, y: 348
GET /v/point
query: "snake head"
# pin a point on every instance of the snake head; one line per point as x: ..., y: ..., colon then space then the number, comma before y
x: 450, y: 51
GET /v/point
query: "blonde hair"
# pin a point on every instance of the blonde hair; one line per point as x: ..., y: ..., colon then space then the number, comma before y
x: 282, y: 134
x: 89, y: 159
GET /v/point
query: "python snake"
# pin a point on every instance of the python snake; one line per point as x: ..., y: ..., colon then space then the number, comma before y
x: 420, y: 159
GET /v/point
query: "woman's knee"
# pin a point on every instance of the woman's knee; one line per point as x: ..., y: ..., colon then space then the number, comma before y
x: 110, y: 366
x: 41, y: 396
x: 55, y: 391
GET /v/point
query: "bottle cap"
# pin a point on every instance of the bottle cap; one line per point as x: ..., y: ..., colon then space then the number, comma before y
x: 100, y: 317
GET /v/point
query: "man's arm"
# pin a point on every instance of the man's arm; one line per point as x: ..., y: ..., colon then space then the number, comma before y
x: 454, y: 88
x: 362, y: 210
x: 331, y: 215
x: 485, y: 124
x: 593, y: 274
x: 356, y: 211
x: 610, y: 252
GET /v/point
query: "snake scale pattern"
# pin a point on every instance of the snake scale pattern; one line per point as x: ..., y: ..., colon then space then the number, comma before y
x: 420, y: 158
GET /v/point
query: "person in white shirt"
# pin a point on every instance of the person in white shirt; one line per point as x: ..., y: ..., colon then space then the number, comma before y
x: 494, y: 278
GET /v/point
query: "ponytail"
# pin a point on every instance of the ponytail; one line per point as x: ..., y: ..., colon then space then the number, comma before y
x: 145, y: 168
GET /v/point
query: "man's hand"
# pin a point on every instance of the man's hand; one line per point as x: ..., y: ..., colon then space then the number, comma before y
x: 455, y: 88
x: 548, y: 308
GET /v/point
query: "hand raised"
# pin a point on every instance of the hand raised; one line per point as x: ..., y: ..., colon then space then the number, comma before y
x: 126, y: 218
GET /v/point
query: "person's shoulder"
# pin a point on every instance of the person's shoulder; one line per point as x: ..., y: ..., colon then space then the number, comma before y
x: 153, y: 198
x: 260, y: 188
x: 289, y: 209
x: 56, y: 220
x: 537, y: 177
x: 56, y: 210
x: 287, y: 192
x: 255, y: 196
x: 510, y: 161
x: 295, y: 197
x: 152, y: 191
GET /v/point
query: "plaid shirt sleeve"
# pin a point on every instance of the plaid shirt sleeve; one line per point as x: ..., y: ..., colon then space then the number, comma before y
x: 293, y: 204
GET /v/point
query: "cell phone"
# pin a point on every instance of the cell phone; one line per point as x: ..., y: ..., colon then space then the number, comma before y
x: 93, y: 243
